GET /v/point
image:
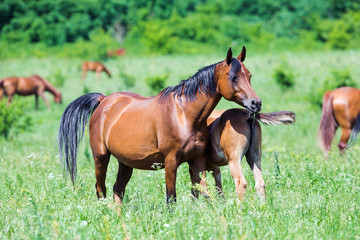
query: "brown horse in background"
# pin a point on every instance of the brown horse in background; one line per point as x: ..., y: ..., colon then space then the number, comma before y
x: 341, y: 107
x: 236, y: 134
x: 24, y: 86
x: 156, y: 132
x: 95, y: 67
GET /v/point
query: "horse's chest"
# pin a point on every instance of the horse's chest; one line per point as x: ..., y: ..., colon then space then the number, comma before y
x: 195, y: 144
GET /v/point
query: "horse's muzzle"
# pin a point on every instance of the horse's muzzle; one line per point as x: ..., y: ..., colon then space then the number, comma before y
x: 255, y: 106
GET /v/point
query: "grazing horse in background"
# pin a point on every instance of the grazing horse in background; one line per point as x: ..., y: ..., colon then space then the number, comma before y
x: 95, y: 67
x: 117, y: 52
x: 24, y: 86
x: 156, y: 132
x: 341, y: 107
x: 236, y: 134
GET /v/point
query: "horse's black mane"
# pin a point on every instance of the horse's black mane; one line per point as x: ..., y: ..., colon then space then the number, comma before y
x: 203, y: 81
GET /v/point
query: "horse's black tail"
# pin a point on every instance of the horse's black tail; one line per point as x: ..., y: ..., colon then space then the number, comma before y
x: 355, y: 131
x: 72, y: 126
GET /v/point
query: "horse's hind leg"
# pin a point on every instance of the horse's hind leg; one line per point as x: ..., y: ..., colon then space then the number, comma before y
x: 236, y: 172
x: 345, y: 135
x: 101, y: 164
x: 253, y: 157
x: 123, y: 177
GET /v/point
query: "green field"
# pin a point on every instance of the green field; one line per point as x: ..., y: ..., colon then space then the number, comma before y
x: 308, y: 197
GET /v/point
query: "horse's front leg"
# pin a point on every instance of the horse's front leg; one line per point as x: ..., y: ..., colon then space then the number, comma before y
x: 171, y: 166
x: 197, y: 169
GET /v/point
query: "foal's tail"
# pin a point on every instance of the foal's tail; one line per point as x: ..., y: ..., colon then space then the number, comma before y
x: 276, y: 118
x: 328, y: 123
x: 72, y: 126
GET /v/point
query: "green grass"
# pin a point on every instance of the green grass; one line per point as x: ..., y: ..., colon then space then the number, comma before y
x: 308, y: 197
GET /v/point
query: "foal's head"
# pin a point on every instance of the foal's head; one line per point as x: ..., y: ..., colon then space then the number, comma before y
x: 234, y: 82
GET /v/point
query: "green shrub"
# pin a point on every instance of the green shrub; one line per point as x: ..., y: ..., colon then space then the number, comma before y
x: 339, y: 36
x: 284, y: 76
x: 338, y: 78
x: 157, y: 83
x: 13, y: 119
x: 58, y: 79
x: 86, y: 89
x: 128, y: 80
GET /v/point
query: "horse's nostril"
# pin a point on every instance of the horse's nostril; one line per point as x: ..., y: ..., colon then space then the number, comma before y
x: 253, y: 102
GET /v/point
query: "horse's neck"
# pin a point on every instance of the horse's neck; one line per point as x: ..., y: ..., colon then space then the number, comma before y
x: 50, y: 88
x: 199, y: 110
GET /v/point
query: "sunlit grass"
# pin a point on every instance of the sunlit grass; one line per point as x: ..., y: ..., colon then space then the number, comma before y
x: 308, y: 197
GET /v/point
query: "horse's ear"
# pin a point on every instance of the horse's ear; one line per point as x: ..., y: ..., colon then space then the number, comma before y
x: 229, y: 56
x: 242, y: 55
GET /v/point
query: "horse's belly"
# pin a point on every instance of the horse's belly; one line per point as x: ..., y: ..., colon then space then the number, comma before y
x: 140, y: 161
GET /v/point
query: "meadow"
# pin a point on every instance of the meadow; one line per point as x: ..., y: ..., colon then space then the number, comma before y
x: 308, y: 197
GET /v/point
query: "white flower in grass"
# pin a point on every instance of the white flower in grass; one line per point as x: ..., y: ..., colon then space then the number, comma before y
x: 83, y: 223
x: 31, y: 155
x: 166, y: 225
x: 51, y: 175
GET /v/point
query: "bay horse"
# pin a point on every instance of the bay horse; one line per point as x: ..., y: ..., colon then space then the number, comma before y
x: 341, y: 107
x: 95, y: 67
x: 235, y: 134
x: 24, y: 86
x: 156, y: 132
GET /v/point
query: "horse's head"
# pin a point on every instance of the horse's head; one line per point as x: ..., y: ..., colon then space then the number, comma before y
x: 58, y: 98
x: 234, y: 82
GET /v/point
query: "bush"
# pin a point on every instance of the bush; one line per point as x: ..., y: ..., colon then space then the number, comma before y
x: 128, y: 80
x: 284, y: 76
x: 58, y: 79
x: 13, y: 119
x: 338, y: 78
x: 156, y: 83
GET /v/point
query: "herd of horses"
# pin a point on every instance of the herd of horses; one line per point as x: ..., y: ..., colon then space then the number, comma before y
x: 180, y: 125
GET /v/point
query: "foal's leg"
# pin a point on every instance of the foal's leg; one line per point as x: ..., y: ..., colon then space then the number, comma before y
x: 197, y: 167
x: 345, y: 135
x: 123, y: 177
x: 217, y: 176
x: 253, y: 157
x: 236, y: 172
